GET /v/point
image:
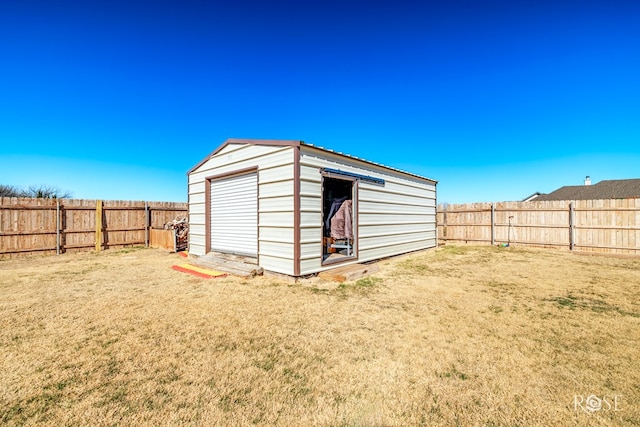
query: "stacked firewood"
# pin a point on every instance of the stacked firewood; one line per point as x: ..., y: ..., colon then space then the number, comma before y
x: 181, y: 227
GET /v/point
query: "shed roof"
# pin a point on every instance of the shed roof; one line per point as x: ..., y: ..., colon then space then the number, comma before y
x: 608, y: 189
x: 297, y: 143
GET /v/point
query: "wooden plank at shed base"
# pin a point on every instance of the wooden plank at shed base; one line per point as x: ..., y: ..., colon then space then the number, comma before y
x: 349, y: 272
x: 232, y: 264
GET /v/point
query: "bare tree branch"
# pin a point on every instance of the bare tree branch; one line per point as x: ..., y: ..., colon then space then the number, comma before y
x: 11, y: 191
x: 45, y: 191
x: 37, y: 191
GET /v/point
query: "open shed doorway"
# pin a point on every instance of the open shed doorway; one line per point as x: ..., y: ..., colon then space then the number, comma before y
x: 338, y: 220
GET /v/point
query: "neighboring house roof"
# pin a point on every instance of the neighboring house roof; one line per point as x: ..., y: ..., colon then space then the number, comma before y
x: 296, y: 143
x: 534, y: 196
x: 608, y: 189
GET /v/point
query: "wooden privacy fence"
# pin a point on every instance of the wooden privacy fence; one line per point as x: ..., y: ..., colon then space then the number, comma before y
x: 585, y: 225
x: 30, y: 226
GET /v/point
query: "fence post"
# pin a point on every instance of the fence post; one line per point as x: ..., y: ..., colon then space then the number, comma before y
x: 493, y: 224
x: 571, y: 226
x: 57, y: 227
x: 444, y: 222
x: 175, y: 240
x: 146, y: 224
x: 98, y: 225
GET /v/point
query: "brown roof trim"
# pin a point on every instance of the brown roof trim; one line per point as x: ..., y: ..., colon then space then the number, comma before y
x: 283, y: 142
x: 272, y: 142
x: 298, y: 143
x: 369, y: 162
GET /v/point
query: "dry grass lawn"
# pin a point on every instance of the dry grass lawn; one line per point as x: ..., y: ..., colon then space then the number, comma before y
x: 460, y: 335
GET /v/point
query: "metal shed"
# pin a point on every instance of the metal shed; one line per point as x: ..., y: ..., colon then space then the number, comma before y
x: 301, y: 209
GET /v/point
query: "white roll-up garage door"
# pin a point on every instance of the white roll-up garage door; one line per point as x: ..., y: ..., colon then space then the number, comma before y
x: 234, y: 214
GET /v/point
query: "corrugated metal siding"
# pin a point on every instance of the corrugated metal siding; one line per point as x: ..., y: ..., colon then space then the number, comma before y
x: 234, y: 214
x: 196, y: 218
x: 275, y: 200
x: 276, y: 222
x: 395, y: 218
x: 279, y: 265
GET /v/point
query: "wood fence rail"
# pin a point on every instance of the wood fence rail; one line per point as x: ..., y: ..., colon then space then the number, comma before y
x: 611, y: 226
x: 31, y: 226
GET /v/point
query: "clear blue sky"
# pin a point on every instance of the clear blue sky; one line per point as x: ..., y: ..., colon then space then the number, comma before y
x: 495, y: 100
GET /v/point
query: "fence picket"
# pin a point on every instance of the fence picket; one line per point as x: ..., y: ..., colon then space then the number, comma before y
x: 584, y: 225
x: 41, y: 226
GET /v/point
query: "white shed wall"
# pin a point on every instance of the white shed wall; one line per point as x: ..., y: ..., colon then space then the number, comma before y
x: 392, y: 219
x: 275, y: 200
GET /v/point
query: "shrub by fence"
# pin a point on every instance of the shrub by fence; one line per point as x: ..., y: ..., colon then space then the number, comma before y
x: 585, y: 225
x: 30, y: 226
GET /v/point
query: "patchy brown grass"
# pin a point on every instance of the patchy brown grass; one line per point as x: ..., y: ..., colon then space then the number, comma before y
x: 455, y: 336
